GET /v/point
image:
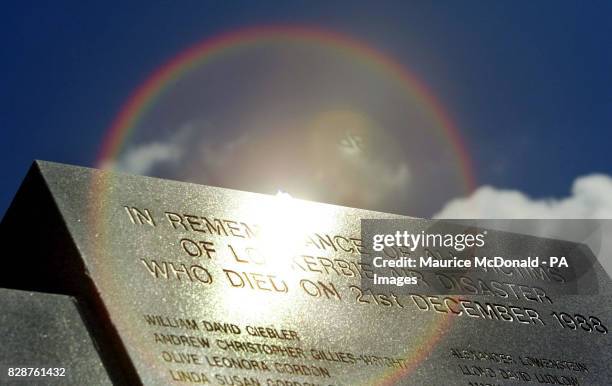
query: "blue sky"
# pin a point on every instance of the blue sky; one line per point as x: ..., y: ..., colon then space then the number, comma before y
x: 529, y: 84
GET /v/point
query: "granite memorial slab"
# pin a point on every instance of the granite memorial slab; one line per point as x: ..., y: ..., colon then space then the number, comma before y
x: 190, y: 284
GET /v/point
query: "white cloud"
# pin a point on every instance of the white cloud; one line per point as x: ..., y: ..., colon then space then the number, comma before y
x: 591, y: 197
x: 143, y: 158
